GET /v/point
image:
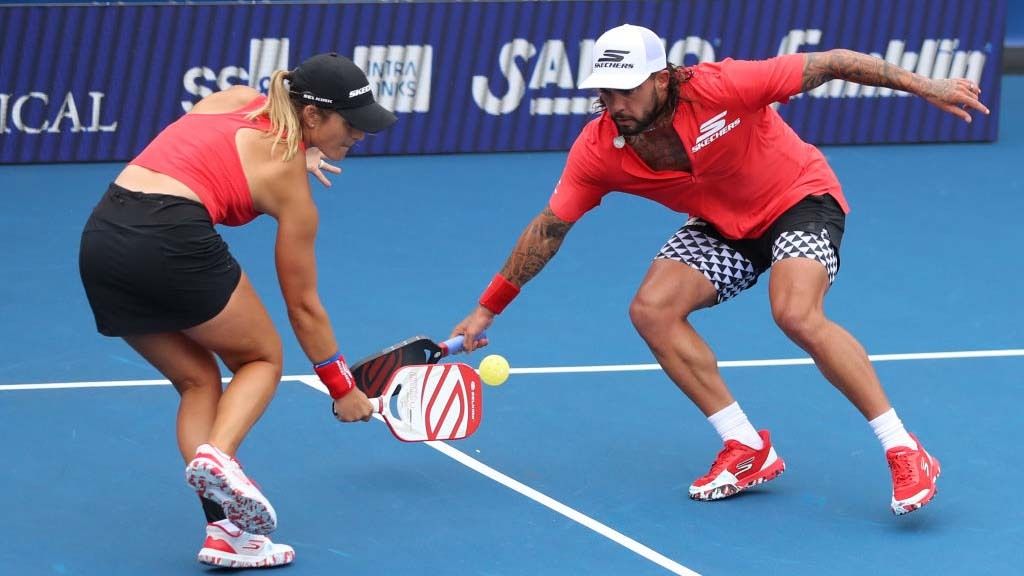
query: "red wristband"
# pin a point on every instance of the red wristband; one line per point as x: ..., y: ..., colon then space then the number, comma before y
x: 499, y: 293
x: 336, y: 376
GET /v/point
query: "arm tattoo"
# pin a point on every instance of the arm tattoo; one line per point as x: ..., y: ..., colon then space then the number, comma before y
x: 536, y: 246
x: 820, y: 67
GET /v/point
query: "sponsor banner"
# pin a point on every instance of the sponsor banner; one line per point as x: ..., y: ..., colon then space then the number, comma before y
x: 97, y: 82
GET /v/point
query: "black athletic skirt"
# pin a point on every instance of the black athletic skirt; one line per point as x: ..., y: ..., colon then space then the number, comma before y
x: 153, y: 263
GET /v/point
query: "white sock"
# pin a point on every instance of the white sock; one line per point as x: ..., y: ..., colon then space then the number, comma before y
x: 732, y: 424
x: 890, y: 431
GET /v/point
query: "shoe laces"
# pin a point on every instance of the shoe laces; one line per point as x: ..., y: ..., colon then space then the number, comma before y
x: 725, y: 456
x: 903, y: 470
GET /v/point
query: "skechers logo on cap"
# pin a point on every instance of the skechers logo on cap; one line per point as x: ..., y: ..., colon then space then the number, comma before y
x: 613, y: 59
x: 359, y: 91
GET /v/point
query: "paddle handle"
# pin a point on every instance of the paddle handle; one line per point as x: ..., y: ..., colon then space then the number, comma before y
x: 455, y: 344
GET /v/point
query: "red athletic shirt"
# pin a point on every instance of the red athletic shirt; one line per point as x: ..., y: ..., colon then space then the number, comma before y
x: 199, y: 151
x: 748, y: 165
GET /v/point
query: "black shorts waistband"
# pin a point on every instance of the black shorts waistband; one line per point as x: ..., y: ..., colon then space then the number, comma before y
x: 116, y: 191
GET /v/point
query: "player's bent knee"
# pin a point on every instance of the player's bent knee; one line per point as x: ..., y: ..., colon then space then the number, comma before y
x: 266, y: 350
x: 639, y: 314
x: 647, y: 317
x: 209, y: 382
x: 278, y: 370
x: 800, y: 323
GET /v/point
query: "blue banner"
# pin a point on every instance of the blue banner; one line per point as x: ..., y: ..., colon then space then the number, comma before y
x: 96, y: 83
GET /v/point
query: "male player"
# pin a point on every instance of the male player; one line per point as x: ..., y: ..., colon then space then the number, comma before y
x: 705, y: 141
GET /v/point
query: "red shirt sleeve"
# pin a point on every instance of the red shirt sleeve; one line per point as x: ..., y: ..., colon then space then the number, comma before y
x: 758, y: 83
x: 580, y: 188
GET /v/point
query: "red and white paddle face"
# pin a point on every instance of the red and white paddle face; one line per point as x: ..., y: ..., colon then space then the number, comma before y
x: 436, y: 402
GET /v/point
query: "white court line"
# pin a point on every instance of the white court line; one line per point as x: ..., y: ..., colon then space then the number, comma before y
x: 570, y: 513
x: 1012, y: 352
x: 110, y: 384
x: 531, y: 493
x: 778, y: 362
x: 541, y: 498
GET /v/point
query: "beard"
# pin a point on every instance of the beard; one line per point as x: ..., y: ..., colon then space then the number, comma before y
x: 642, y: 124
x: 637, y: 125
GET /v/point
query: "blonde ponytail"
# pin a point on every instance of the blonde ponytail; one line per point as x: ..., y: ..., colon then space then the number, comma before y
x: 284, y: 119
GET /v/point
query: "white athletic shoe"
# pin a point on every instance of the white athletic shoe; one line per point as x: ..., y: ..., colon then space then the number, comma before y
x: 218, y: 477
x: 229, y: 546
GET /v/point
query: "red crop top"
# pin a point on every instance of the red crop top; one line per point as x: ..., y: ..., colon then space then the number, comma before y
x: 199, y: 151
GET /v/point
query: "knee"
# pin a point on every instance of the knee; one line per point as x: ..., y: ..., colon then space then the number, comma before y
x: 266, y: 349
x: 648, y: 316
x: 273, y: 354
x: 206, y: 380
x: 801, y: 322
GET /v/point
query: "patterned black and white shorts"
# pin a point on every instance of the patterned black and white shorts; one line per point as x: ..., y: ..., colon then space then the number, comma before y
x: 813, y: 228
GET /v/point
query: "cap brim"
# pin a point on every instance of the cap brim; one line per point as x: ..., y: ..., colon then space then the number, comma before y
x: 371, y: 118
x: 615, y: 80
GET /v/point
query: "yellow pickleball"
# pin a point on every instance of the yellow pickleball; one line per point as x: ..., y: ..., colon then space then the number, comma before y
x: 493, y: 370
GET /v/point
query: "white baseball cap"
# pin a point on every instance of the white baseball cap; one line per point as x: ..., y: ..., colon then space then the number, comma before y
x: 624, y: 57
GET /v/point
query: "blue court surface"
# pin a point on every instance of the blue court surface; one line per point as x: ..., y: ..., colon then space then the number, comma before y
x: 575, y: 471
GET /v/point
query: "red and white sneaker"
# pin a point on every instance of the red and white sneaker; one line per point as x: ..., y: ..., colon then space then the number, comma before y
x: 914, y: 473
x: 219, y: 477
x: 737, y: 468
x: 229, y: 546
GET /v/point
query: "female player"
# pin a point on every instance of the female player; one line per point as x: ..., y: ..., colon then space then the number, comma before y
x: 158, y: 275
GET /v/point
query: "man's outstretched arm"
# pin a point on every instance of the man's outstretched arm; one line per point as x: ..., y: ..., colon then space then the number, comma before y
x: 537, y: 244
x: 953, y: 95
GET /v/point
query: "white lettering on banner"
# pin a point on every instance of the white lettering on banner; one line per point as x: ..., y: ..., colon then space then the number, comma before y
x: 265, y: 56
x: 400, y: 76
x: 552, y: 68
x: 14, y: 109
x: 560, y: 106
x: 695, y: 46
x: 223, y: 79
x: 938, y: 58
x: 495, y: 105
x: 4, y: 99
